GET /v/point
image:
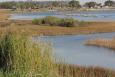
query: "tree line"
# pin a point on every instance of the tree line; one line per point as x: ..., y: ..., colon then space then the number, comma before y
x: 51, y: 4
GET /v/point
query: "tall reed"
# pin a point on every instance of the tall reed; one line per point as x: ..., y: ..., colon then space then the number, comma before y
x: 21, y: 57
x: 107, y: 43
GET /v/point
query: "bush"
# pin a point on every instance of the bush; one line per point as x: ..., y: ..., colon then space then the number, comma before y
x: 51, y: 20
x: 68, y: 22
x: 20, y: 57
x: 54, y: 21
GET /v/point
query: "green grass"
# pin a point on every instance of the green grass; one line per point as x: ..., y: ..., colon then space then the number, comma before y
x: 20, y: 57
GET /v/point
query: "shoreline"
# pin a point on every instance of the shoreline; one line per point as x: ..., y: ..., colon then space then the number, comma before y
x: 71, y: 13
x: 26, y: 27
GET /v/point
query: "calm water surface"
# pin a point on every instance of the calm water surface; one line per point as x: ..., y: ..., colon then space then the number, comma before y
x: 103, y: 15
x: 72, y: 50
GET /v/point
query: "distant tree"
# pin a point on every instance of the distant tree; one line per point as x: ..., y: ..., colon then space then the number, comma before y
x: 26, y: 5
x: 90, y: 4
x: 109, y: 3
x: 100, y: 5
x: 55, y: 4
x: 7, y: 5
x: 21, y: 5
x: 74, y: 4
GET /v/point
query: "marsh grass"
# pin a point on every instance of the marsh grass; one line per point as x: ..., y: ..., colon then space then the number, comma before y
x: 107, y: 43
x: 20, y: 57
x: 67, y: 70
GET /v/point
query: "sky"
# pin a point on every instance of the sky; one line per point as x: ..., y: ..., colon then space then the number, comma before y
x: 82, y: 1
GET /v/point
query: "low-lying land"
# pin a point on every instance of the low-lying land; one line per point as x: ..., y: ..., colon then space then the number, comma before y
x: 108, y: 43
x: 4, y: 14
x: 28, y: 28
x: 22, y: 57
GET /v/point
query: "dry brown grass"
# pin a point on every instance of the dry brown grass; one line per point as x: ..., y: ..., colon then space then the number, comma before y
x: 108, y: 43
x: 66, y: 70
x: 4, y: 14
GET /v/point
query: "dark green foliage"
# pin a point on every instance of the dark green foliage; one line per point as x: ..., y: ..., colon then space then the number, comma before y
x: 74, y: 4
x: 109, y: 3
x: 55, y: 4
x: 90, y: 4
x: 50, y: 4
x: 7, y: 5
x: 21, y: 5
x: 68, y: 22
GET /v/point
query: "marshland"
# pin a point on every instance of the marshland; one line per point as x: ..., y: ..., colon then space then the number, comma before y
x: 57, y: 39
x: 107, y: 43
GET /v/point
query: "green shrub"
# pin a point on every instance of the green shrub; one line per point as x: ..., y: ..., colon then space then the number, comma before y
x: 54, y: 21
x: 51, y: 20
x: 68, y: 22
x: 21, y: 57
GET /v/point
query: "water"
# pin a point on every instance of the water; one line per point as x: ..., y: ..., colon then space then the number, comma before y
x: 102, y: 15
x: 72, y: 50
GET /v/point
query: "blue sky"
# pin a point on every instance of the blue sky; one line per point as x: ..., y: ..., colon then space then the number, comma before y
x: 82, y: 1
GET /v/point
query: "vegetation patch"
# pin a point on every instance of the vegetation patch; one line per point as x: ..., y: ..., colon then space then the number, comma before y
x: 66, y: 70
x: 107, y: 43
x: 21, y: 57
x: 50, y: 20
